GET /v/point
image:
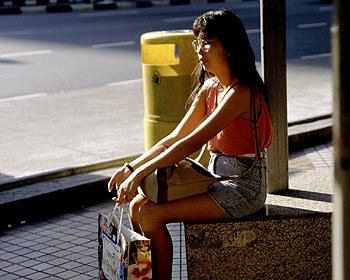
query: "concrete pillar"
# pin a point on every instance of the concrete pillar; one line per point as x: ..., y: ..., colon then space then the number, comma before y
x: 341, y: 139
x: 273, y: 56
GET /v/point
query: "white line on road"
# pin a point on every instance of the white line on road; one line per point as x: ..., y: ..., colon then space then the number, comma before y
x: 27, y: 53
x: 179, y: 19
x: 315, y: 56
x: 253, y: 31
x: 112, y: 13
x: 21, y: 97
x: 18, y: 32
x: 112, y: 45
x: 327, y: 8
x: 312, y: 25
x: 115, y: 84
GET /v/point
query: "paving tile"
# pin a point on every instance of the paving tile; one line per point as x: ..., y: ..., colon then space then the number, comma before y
x: 9, y: 277
x: 37, y: 276
x: 63, y: 245
x: 80, y: 277
x: 19, y: 259
x: 13, y: 268
x: 30, y: 243
x: 90, y: 251
x: 42, y: 266
x: 71, y: 265
x: 51, y: 277
x: 68, y: 274
x: 30, y: 263
x: 39, y: 247
x: 91, y: 273
x: 34, y: 254
x: 84, y: 269
x: 62, y: 253
x: 25, y: 272
x: 7, y: 255
x: 46, y: 258
x: 4, y: 264
x: 55, y: 270
x: 58, y: 261
x: 24, y: 251
x: 10, y: 247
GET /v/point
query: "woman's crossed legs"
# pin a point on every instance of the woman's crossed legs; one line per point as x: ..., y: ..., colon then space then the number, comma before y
x: 150, y: 219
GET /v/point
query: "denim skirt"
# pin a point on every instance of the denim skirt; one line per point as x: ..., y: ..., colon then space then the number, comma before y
x: 238, y: 197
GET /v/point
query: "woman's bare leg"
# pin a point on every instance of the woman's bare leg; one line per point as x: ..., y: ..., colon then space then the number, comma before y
x: 134, y: 209
x: 154, y: 217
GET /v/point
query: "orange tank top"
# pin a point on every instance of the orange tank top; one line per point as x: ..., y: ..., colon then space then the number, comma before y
x: 238, y: 137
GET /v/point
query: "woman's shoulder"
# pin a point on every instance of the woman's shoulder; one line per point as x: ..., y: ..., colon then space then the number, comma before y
x: 212, y: 81
x: 210, y: 84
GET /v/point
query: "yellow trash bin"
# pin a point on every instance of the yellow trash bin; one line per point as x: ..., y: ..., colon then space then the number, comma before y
x: 167, y: 64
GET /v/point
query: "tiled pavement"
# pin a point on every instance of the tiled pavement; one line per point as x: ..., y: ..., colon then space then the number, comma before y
x: 318, y: 157
x: 65, y: 246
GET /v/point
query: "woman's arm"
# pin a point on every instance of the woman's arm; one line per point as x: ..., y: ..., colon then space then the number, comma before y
x: 191, y: 120
x: 235, y: 104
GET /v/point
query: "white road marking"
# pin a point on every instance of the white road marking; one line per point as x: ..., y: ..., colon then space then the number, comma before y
x: 27, y: 53
x: 112, y: 45
x: 326, y: 8
x: 178, y: 19
x: 18, y: 32
x: 315, y: 56
x: 22, y: 97
x: 112, y: 13
x: 253, y: 31
x: 312, y: 25
x: 115, y: 84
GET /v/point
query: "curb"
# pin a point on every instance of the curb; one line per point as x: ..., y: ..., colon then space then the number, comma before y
x: 88, y: 5
x: 48, y: 194
x: 310, y: 132
x: 59, y: 196
x: 62, y: 173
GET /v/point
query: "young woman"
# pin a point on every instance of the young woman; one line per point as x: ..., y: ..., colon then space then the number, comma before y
x: 220, y: 115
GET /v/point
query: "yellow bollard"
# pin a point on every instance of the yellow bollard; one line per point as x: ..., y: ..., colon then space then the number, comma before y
x: 167, y: 64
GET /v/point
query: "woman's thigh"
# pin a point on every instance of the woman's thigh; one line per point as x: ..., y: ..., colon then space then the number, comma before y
x: 195, y: 208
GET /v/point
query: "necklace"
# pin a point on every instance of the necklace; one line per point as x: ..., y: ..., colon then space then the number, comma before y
x: 221, y: 91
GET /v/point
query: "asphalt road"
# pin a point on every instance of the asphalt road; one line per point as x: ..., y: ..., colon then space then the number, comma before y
x: 43, y: 53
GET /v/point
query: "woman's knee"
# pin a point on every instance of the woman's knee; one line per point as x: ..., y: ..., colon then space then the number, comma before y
x: 134, y: 209
x: 135, y: 204
x: 150, y: 217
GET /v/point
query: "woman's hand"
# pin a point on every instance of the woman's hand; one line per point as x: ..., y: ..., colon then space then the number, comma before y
x: 118, y: 178
x: 127, y: 190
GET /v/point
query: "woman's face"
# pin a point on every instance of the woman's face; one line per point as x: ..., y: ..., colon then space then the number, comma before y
x: 211, y: 54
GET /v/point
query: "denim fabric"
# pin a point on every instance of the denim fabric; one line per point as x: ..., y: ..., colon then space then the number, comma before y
x: 239, y: 197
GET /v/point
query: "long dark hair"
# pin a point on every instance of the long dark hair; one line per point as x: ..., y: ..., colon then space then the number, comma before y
x: 229, y: 29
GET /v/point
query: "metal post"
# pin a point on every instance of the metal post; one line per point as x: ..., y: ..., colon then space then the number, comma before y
x: 341, y: 139
x: 273, y: 56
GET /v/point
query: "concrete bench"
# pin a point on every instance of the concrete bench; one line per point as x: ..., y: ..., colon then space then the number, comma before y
x: 289, y: 239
